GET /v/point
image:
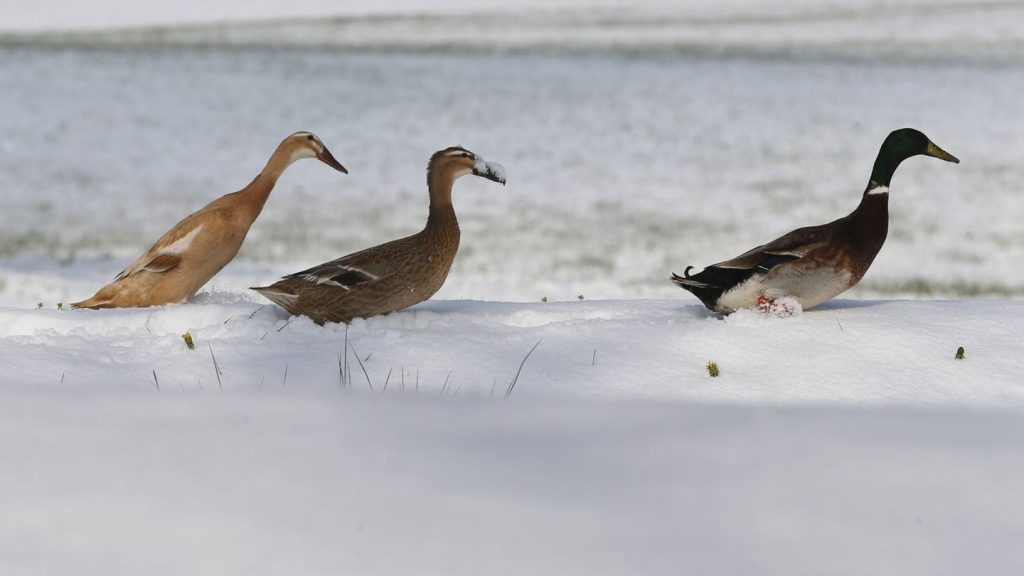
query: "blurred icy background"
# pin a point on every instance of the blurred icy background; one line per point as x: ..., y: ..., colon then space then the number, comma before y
x: 638, y: 137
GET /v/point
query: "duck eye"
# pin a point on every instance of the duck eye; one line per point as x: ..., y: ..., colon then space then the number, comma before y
x: 310, y: 137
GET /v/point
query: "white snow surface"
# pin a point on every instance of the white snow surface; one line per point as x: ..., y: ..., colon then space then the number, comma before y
x: 276, y: 484
x: 847, y: 352
x: 845, y: 440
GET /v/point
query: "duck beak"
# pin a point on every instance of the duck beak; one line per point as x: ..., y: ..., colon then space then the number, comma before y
x: 936, y: 152
x: 490, y: 170
x: 327, y: 158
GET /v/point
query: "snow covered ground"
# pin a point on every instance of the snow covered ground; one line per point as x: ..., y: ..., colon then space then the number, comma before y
x: 846, y: 440
x: 849, y: 352
x: 273, y: 483
x: 842, y: 441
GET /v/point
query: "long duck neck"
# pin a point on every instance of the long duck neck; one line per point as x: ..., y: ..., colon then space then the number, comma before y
x: 442, y: 214
x: 256, y: 193
x: 870, y: 221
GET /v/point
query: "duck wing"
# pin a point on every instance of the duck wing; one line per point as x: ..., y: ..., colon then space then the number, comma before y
x: 166, y: 253
x: 786, y: 248
x: 364, y: 267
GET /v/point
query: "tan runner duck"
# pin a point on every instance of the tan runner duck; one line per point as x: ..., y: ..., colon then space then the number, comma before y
x: 196, y: 248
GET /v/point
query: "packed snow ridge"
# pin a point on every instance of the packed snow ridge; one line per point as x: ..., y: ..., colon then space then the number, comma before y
x: 846, y: 351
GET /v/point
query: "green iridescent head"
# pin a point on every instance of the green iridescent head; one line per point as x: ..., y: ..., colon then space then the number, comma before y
x: 900, y: 145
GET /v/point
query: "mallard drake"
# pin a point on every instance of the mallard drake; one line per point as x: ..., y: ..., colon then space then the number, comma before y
x: 195, y: 249
x: 816, y: 263
x: 394, y: 275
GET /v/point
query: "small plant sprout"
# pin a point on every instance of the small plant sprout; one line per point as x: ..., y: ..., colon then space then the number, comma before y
x: 544, y: 299
x: 580, y: 296
x: 187, y: 337
x: 60, y: 305
x: 713, y: 369
x: 960, y: 353
x: 39, y: 306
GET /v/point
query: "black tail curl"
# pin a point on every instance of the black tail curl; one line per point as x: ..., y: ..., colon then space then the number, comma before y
x: 709, y: 284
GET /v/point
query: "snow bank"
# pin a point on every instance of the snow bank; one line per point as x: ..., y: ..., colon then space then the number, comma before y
x: 847, y: 352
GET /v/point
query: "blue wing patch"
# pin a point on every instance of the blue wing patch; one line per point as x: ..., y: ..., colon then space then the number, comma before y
x: 774, y: 260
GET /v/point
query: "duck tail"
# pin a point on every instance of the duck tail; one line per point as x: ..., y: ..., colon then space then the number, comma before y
x: 698, y: 285
x: 686, y: 281
x: 93, y: 303
x: 104, y: 298
x: 275, y: 294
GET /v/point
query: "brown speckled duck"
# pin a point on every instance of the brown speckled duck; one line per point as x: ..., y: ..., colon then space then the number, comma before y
x: 813, y: 264
x: 394, y: 275
x: 195, y: 249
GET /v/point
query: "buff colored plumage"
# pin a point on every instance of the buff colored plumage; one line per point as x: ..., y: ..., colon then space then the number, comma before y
x: 195, y: 249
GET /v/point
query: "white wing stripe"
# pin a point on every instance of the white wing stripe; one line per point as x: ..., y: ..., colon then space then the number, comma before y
x: 361, y: 271
x: 328, y: 279
x: 181, y: 244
